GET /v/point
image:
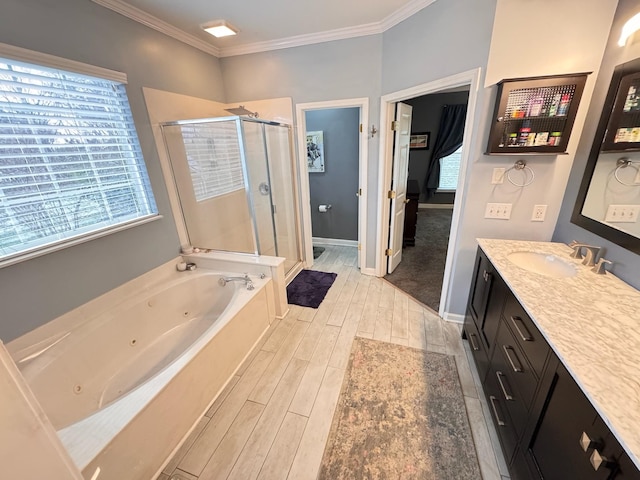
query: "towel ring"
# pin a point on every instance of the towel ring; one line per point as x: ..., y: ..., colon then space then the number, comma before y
x: 520, y: 165
x: 624, y: 162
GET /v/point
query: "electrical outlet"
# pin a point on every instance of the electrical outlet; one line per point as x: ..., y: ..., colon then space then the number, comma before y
x: 501, y: 211
x: 498, y: 176
x: 622, y: 214
x: 539, y: 212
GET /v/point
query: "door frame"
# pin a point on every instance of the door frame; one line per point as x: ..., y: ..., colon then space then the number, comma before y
x: 305, y: 194
x: 385, y: 163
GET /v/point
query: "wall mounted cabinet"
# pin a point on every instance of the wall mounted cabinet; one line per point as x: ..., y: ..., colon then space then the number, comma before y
x: 547, y: 427
x: 535, y: 115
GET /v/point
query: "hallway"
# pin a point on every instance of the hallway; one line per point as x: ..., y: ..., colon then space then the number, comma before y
x: 273, y: 418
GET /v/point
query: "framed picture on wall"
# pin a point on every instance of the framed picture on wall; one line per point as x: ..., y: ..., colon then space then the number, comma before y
x: 419, y: 141
x: 315, y: 151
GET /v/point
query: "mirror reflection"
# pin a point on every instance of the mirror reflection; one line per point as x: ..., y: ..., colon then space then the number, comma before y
x: 609, y: 200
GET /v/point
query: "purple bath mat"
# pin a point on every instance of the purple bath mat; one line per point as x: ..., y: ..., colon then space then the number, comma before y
x: 309, y: 288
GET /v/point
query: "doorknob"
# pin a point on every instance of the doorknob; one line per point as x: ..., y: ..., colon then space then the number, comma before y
x: 407, y: 200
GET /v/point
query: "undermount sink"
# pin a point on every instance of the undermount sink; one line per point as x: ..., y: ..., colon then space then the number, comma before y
x: 542, y: 263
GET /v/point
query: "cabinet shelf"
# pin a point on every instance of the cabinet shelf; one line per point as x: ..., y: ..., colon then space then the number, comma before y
x: 535, y: 115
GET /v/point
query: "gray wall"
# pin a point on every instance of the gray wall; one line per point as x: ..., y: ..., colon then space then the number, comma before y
x: 427, y: 111
x: 338, y: 183
x: 626, y: 263
x: 328, y: 71
x: 36, y: 291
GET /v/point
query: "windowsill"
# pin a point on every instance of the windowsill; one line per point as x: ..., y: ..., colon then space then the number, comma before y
x: 22, y: 257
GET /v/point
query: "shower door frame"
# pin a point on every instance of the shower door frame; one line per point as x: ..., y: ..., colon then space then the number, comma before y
x: 247, y: 187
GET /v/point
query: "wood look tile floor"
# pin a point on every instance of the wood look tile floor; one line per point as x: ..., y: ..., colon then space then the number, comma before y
x: 273, y: 418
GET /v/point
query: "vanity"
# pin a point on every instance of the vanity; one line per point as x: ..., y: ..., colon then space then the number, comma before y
x: 557, y: 348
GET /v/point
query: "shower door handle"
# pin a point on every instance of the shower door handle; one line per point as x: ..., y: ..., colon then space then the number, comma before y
x: 264, y: 188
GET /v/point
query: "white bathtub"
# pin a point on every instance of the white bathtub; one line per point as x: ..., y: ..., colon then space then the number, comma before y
x: 124, y: 387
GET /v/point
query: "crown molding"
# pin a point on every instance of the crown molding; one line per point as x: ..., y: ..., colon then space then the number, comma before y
x: 140, y: 16
x: 411, y: 8
x: 161, y: 26
x: 390, y: 21
x: 306, y: 39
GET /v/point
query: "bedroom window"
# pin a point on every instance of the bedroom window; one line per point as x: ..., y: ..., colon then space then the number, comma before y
x: 449, y: 169
x: 71, y: 167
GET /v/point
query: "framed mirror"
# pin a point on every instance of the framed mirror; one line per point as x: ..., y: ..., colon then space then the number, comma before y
x: 608, y: 202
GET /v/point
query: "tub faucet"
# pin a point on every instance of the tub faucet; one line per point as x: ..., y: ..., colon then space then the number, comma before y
x: 247, y: 281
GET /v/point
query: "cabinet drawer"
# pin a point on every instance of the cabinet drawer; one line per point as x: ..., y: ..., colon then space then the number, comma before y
x: 508, y: 358
x: 500, y: 415
x: 478, y: 348
x: 510, y: 397
x: 526, y: 334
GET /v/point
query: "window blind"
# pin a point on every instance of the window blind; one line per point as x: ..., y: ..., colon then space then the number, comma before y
x: 70, y: 160
x: 213, y: 155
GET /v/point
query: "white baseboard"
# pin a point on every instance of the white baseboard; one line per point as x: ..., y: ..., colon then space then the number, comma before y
x: 334, y: 241
x: 368, y: 271
x: 447, y: 206
x: 453, y: 317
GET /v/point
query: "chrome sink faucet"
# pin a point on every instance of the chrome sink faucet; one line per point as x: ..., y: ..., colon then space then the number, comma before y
x: 590, y: 256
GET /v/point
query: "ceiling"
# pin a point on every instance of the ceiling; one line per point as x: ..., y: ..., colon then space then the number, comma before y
x: 267, y: 25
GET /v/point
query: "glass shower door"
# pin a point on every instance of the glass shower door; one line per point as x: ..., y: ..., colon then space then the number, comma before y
x: 282, y: 193
x: 259, y: 186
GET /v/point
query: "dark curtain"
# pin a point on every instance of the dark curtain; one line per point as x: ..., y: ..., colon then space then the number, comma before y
x: 448, y: 141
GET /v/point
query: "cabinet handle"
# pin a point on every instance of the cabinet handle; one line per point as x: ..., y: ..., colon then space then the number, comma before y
x: 486, y: 275
x: 586, y: 442
x: 504, y: 390
x: 524, y: 333
x: 516, y: 368
x: 597, y: 461
x: 493, y: 399
x: 474, y: 345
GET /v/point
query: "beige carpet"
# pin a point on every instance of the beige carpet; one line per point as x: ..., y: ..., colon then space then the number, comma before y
x: 400, y: 415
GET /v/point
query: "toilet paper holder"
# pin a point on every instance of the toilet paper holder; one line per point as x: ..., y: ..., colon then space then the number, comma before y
x: 324, y: 208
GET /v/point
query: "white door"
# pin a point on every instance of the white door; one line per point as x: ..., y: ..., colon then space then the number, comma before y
x: 399, y: 183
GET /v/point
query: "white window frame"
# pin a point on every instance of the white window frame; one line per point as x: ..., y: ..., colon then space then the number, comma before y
x: 45, y: 60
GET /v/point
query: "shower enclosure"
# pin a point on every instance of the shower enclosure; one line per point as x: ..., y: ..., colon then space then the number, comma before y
x: 234, y: 177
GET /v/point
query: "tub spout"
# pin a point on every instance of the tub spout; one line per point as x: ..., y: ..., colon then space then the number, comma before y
x: 247, y: 281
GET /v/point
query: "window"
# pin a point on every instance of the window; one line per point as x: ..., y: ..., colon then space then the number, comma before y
x: 70, y: 160
x: 213, y: 155
x: 449, y: 168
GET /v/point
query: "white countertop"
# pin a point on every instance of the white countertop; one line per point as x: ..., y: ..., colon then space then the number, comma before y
x: 592, y: 322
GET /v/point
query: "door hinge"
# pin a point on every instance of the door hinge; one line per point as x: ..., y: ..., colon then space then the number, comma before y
x: 391, y: 194
x: 394, y: 125
x: 388, y: 252
x: 359, y: 247
x: 359, y: 192
x: 361, y: 128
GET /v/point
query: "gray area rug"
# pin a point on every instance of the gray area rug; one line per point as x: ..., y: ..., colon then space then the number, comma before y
x: 422, y: 268
x: 400, y: 415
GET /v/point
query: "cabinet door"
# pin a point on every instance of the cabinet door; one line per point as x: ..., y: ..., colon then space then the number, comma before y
x: 555, y: 447
x: 627, y: 470
x: 480, y: 289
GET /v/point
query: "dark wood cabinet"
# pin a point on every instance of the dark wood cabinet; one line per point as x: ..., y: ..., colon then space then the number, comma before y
x: 555, y: 451
x: 547, y: 427
x: 411, y: 214
x: 485, y: 305
x: 535, y: 115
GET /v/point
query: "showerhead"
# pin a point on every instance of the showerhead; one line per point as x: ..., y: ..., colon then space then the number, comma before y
x: 242, y: 111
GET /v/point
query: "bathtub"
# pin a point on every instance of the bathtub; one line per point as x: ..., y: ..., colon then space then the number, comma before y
x: 124, y: 387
